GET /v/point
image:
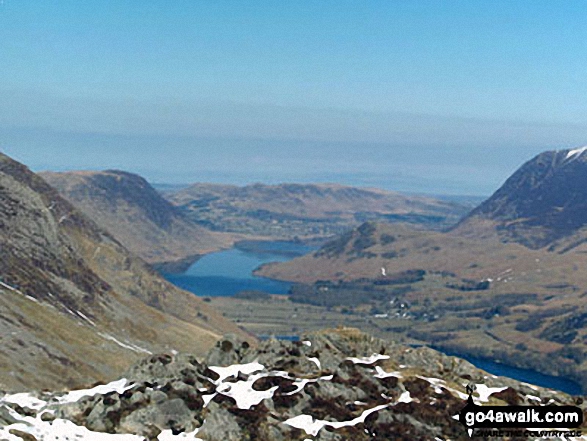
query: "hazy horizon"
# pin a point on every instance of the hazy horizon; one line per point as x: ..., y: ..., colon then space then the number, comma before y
x: 422, y: 97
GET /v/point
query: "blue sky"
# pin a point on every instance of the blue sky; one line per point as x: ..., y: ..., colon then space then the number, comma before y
x: 422, y: 96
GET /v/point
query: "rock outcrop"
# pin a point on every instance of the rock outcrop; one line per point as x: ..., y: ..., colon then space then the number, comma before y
x: 333, y: 385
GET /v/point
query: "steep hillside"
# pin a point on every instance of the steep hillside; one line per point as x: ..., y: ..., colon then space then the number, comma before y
x: 288, y: 210
x: 76, y: 306
x: 131, y: 210
x: 544, y: 203
x: 335, y: 385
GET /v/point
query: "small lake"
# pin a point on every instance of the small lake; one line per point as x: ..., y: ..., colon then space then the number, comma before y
x: 227, y: 272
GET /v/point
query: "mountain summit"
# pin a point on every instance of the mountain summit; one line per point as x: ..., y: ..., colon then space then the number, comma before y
x: 334, y: 385
x: 544, y: 203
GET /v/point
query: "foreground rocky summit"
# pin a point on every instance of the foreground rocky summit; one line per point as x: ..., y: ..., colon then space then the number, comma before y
x: 334, y: 385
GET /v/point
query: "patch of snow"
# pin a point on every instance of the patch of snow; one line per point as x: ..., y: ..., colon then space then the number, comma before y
x: 312, y: 426
x: 167, y: 435
x: 82, y: 315
x: 58, y: 430
x: 118, y: 386
x: 368, y: 360
x: 405, y: 398
x: 208, y: 398
x: 532, y: 397
x: 300, y: 383
x: 436, y: 382
x: 130, y: 346
x: 244, y: 394
x: 307, y: 343
x: 576, y: 152
x: 382, y: 374
x: 485, y: 391
x: 11, y: 288
x: 235, y: 369
x: 24, y: 399
x: 316, y: 361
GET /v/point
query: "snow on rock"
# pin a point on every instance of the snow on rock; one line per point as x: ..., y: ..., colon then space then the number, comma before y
x: 485, y: 391
x: 312, y: 426
x: 130, y: 346
x: 24, y: 399
x: 405, y: 397
x: 315, y: 361
x: 58, y: 430
x: 167, y: 435
x: 118, y: 386
x: 300, y: 383
x: 436, y: 382
x: 244, y: 394
x: 382, y: 374
x: 235, y: 369
x: 368, y: 360
x: 576, y: 152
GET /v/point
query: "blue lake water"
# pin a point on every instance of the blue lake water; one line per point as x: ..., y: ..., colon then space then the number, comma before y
x: 525, y: 375
x: 225, y: 273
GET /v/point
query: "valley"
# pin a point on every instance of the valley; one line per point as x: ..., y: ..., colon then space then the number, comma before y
x: 482, y: 288
x: 472, y: 289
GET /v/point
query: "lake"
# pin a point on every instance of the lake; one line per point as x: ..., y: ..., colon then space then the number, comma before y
x: 525, y: 375
x: 227, y: 272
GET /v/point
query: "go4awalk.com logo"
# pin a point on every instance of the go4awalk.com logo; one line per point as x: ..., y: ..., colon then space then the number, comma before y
x: 510, y: 420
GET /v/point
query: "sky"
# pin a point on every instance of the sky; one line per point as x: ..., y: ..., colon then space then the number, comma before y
x: 439, y: 97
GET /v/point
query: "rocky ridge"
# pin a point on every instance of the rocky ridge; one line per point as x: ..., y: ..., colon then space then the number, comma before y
x: 333, y: 385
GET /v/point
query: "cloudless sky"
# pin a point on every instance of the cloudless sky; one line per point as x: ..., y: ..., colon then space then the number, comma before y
x: 423, y: 96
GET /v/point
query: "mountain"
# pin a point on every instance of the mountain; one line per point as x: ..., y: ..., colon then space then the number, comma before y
x: 129, y: 208
x: 76, y: 306
x: 505, y: 283
x: 543, y: 204
x: 307, y: 210
x: 541, y: 208
x: 333, y: 385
